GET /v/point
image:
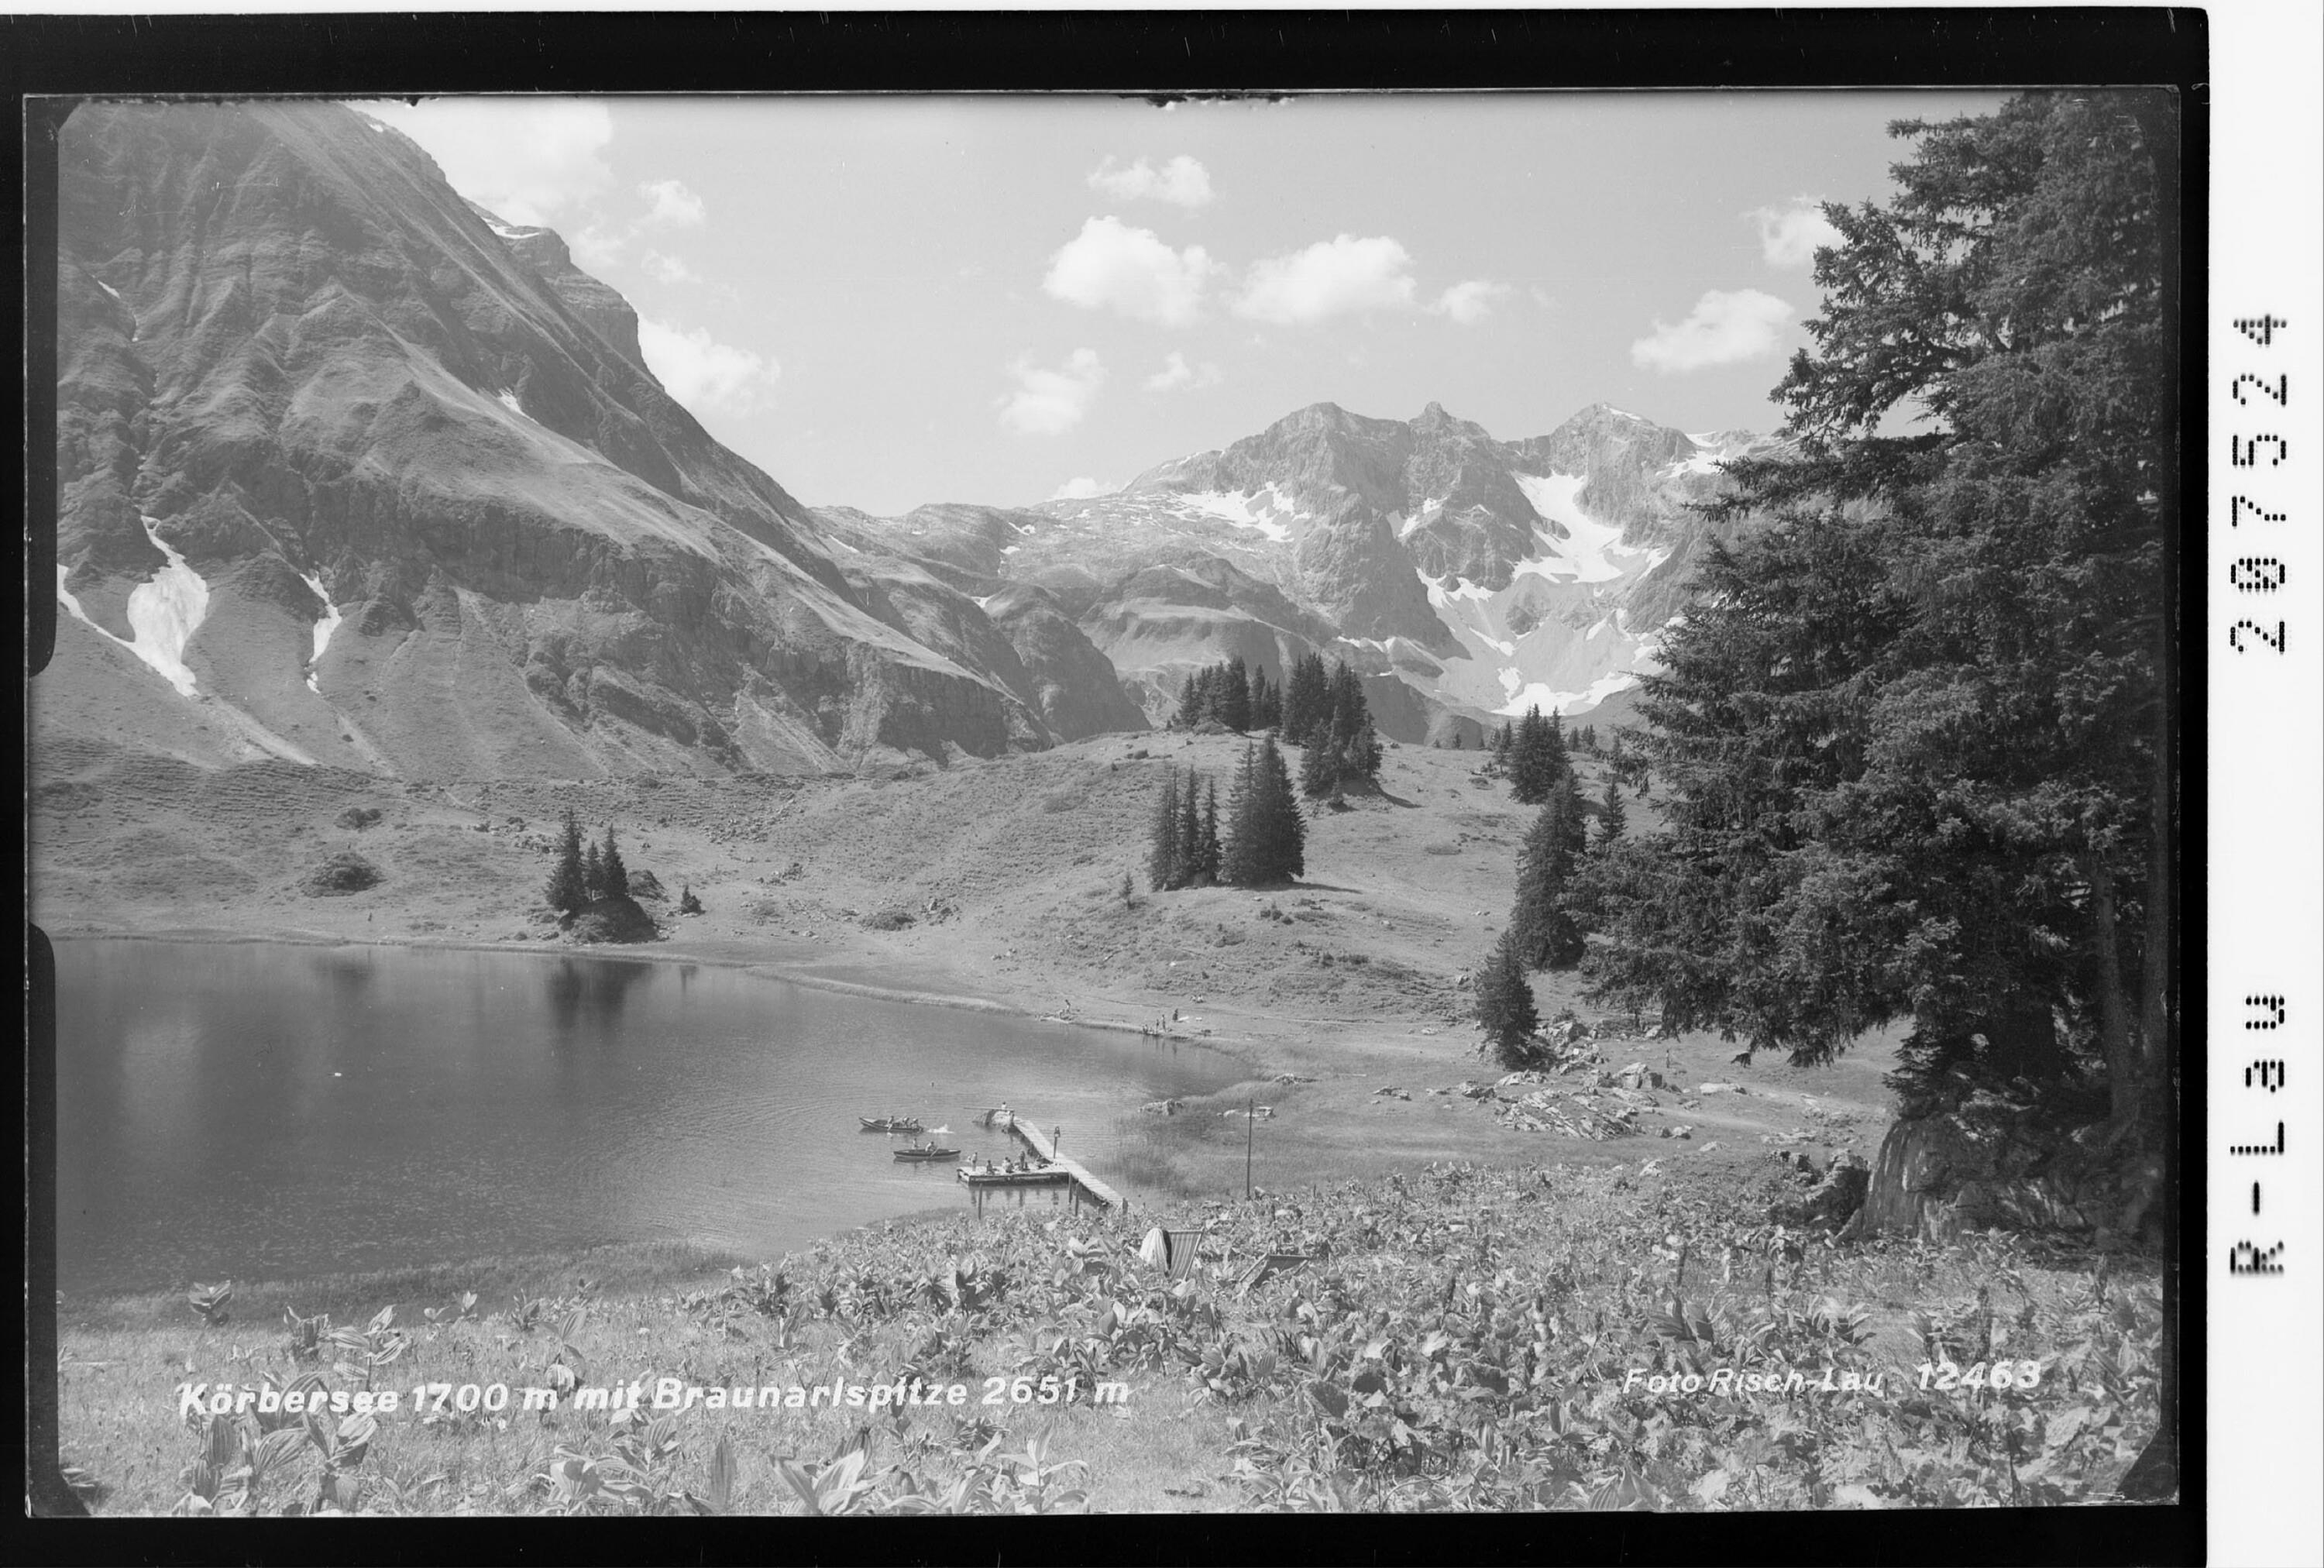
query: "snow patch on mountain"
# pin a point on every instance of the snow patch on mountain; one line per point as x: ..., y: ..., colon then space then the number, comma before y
x: 162, y: 614
x: 323, y: 629
x: 1592, y: 551
x: 1263, y: 510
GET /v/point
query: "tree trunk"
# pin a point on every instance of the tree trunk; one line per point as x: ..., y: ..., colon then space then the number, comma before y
x: 2114, y: 1013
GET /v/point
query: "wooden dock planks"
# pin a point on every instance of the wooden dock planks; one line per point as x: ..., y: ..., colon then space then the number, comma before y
x: 1038, y: 1142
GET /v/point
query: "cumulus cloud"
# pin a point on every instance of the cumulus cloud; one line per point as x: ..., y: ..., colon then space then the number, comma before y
x: 1334, y: 277
x: 1050, y: 402
x: 1109, y: 266
x: 1176, y: 373
x: 668, y: 269
x: 1470, y: 302
x: 526, y: 159
x: 1082, y: 488
x: 703, y: 374
x: 1723, y: 328
x: 1789, y: 235
x: 1181, y: 182
x: 671, y: 203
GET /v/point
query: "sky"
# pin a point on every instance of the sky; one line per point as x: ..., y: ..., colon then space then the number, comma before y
x: 888, y: 301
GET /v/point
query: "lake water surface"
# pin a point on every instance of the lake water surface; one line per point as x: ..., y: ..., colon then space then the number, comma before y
x: 262, y: 1110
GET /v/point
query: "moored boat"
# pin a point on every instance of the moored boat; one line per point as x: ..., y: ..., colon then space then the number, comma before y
x: 1002, y: 1176
x: 890, y: 1123
x: 925, y: 1152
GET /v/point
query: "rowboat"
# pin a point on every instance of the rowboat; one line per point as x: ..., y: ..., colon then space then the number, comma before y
x: 982, y: 1177
x: 890, y: 1123
x: 927, y: 1153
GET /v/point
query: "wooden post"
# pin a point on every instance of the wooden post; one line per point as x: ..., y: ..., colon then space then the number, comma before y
x: 1250, y: 1134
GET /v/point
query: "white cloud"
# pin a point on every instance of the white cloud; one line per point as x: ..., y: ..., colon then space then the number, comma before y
x: 1470, y: 302
x: 703, y: 374
x: 1050, y: 402
x: 1082, y: 488
x: 1723, y: 328
x: 1334, y: 277
x: 668, y: 269
x: 672, y: 204
x: 1110, y: 264
x: 1175, y: 374
x: 1181, y: 182
x: 526, y: 159
x: 1790, y: 236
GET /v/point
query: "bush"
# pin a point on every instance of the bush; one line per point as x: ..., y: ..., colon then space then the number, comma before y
x: 646, y: 885
x: 888, y: 919
x: 359, y: 816
x: 614, y: 920
x: 345, y: 872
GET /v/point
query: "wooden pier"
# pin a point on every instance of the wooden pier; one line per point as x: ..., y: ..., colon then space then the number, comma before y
x: 1038, y: 1142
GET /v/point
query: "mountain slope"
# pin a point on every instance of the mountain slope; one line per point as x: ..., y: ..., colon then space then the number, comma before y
x: 1466, y: 576
x: 352, y: 473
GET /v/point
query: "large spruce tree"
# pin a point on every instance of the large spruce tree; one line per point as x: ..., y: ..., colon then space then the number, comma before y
x: 1266, y: 835
x: 613, y: 875
x: 1544, y: 931
x: 1187, y: 856
x: 1505, y: 1004
x: 1162, y: 836
x: 1306, y: 700
x: 568, y: 892
x: 1917, y: 733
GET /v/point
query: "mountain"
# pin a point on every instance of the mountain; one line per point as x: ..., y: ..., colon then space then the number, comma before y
x: 352, y: 473
x: 1466, y: 576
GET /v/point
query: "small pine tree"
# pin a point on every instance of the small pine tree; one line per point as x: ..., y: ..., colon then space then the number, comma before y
x: 593, y: 873
x: 1234, y: 695
x: 1543, y: 932
x: 687, y: 904
x: 1319, y: 771
x: 1285, y: 831
x: 1307, y: 700
x: 613, y: 876
x: 567, y: 891
x: 1162, y: 837
x: 1456, y: 740
x: 1505, y: 1003
x: 1211, y: 860
x: 1611, y: 822
x: 1189, y: 849
x: 1503, y: 742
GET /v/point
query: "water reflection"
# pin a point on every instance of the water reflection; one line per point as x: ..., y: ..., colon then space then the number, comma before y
x: 592, y: 988
x: 258, y: 1112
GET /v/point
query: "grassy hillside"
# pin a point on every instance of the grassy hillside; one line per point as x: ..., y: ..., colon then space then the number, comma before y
x: 1460, y: 1337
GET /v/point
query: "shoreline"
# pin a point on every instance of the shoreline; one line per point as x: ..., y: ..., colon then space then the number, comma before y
x: 657, y: 953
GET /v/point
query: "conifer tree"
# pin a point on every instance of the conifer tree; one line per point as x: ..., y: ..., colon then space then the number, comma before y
x: 1285, y: 829
x: 593, y: 873
x: 1162, y: 836
x: 1266, y: 835
x: 613, y: 876
x: 1533, y: 762
x: 1611, y: 819
x: 1189, y: 853
x: 1305, y: 699
x: 1505, y: 1004
x: 1503, y: 741
x: 1209, y: 861
x: 1319, y: 771
x: 567, y: 891
x: 1544, y: 932
x: 1189, y: 711
x: 1234, y: 695
x: 1266, y: 702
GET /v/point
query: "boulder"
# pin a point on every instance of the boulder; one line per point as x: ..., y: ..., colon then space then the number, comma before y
x: 1998, y: 1160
